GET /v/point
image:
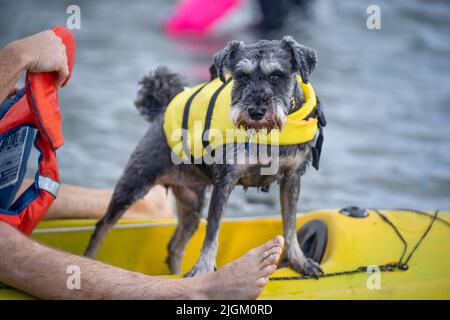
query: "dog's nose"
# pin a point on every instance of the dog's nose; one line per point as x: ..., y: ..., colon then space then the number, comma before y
x: 257, y: 113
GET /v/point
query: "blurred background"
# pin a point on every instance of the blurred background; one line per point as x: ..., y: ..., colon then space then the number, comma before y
x: 386, y: 92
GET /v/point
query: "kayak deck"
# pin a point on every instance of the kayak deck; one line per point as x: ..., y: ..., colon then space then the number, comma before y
x: 351, y: 243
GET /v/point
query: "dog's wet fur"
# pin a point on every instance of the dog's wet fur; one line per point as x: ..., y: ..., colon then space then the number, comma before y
x: 264, y: 83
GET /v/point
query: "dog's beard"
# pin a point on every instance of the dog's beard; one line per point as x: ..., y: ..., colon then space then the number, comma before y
x: 275, y: 117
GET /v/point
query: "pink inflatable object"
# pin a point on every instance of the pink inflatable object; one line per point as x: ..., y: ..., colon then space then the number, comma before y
x: 197, y: 16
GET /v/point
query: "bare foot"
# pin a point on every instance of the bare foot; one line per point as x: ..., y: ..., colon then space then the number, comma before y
x: 246, y: 277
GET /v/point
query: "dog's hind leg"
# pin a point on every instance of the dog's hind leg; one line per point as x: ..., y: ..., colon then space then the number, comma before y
x: 189, y: 205
x: 122, y: 199
x: 289, y: 193
x: 145, y: 166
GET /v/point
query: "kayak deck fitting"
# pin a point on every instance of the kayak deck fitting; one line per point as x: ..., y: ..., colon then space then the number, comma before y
x: 350, y: 245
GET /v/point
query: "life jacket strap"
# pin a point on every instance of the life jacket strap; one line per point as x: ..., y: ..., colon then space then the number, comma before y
x: 184, y: 125
x: 209, y: 111
x: 317, y: 148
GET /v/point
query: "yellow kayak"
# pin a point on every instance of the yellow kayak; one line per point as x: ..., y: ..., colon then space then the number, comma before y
x: 350, y: 247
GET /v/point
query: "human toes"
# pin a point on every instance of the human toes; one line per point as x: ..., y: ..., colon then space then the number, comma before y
x: 276, y: 242
x: 271, y: 259
x: 268, y: 256
x: 267, y: 271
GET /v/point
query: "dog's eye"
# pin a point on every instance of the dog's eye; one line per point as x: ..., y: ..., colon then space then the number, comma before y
x: 274, y: 78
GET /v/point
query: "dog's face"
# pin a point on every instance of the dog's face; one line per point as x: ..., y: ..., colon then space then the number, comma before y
x: 264, y: 79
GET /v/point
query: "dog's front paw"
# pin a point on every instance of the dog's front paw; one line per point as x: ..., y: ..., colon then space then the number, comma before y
x: 307, y: 267
x: 200, y: 269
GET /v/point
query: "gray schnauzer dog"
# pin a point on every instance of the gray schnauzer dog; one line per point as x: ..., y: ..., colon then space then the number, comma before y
x: 264, y: 86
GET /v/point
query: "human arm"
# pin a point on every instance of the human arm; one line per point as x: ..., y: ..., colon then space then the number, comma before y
x: 75, y: 202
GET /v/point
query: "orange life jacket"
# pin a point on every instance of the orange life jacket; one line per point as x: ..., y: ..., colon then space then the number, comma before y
x: 30, y: 118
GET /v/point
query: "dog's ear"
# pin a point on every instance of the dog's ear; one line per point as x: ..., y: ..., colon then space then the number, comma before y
x: 304, y: 59
x: 225, y: 57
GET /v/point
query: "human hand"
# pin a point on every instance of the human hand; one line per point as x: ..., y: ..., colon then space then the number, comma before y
x: 44, y: 52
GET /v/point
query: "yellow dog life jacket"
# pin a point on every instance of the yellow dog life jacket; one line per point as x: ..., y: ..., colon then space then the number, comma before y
x: 199, y: 118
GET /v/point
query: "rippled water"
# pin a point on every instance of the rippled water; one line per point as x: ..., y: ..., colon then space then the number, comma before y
x: 386, y: 94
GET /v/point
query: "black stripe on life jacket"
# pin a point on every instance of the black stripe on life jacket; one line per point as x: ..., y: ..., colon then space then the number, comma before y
x: 210, y: 110
x: 184, y: 124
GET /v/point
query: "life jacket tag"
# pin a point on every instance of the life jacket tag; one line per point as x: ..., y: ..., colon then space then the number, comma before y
x: 12, y: 146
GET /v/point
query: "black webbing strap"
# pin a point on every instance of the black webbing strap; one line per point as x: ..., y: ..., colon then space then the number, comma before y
x: 210, y: 110
x: 317, y: 148
x: 184, y: 124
